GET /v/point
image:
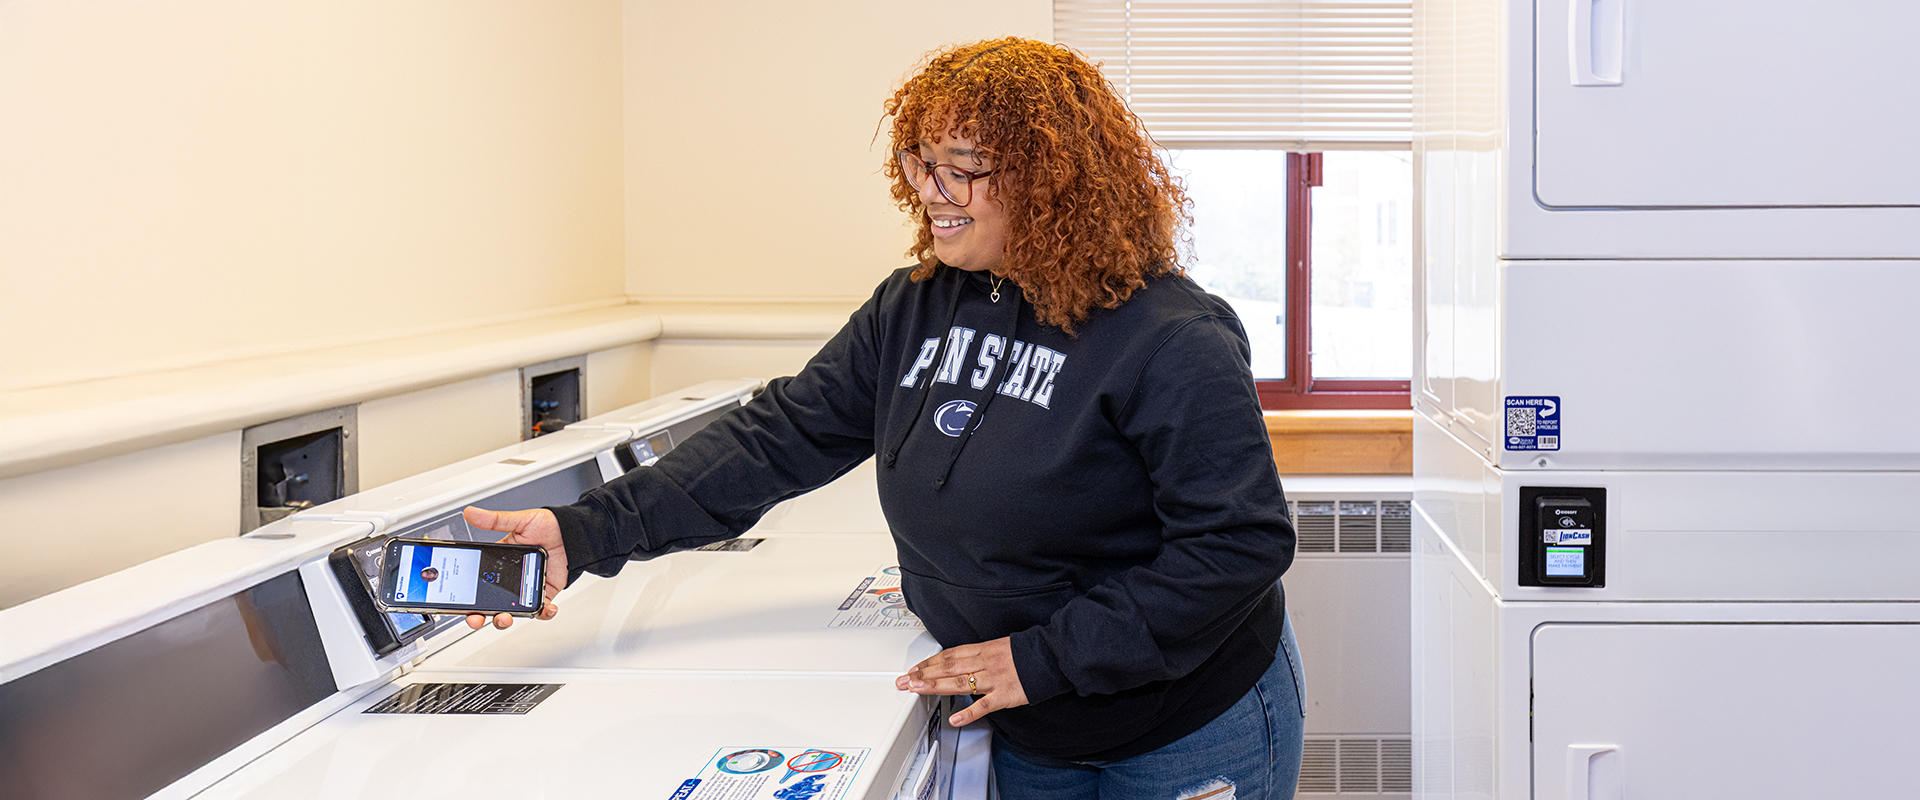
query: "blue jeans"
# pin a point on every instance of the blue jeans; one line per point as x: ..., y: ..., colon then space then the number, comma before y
x: 1249, y: 752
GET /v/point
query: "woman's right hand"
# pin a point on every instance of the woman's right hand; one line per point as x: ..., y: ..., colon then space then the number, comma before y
x: 535, y: 526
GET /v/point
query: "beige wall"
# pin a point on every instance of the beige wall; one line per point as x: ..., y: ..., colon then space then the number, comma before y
x: 191, y: 183
x: 619, y: 377
x: 68, y: 525
x: 684, y: 362
x: 752, y: 167
x: 415, y: 432
x: 185, y: 182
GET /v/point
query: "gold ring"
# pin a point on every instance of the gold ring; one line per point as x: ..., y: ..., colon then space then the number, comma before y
x: 973, y: 686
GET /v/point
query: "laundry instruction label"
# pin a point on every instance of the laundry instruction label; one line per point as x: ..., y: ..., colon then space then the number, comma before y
x: 876, y: 603
x: 740, y: 545
x: 1533, y: 423
x: 775, y: 773
x: 465, y: 698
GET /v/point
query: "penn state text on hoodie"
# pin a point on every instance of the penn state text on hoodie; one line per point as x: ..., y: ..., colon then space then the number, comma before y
x: 1108, y: 500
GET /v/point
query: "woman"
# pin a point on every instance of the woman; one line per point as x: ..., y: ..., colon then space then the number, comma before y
x: 1071, y: 456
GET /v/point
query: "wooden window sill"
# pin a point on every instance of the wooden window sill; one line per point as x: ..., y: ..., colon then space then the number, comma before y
x: 1345, y: 442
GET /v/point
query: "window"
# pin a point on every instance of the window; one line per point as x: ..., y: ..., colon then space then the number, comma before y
x: 1291, y: 121
x: 1314, y: 252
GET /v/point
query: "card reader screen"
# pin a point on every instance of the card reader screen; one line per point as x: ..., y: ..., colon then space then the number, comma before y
x: 464, y: 576
x: 1566, y: 562
x: 649, y: 449
x: 405, y: 623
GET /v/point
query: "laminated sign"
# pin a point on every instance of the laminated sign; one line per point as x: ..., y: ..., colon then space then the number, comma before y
x: 876, y: 603
x: 775, y: 773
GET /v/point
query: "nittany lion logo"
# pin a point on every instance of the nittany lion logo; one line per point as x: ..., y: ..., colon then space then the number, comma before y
x: 952, y: 416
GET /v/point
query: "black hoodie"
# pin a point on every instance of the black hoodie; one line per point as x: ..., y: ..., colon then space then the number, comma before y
x: 1108, y: 499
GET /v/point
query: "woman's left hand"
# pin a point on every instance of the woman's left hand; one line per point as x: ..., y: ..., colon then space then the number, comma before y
x: 984, y: 669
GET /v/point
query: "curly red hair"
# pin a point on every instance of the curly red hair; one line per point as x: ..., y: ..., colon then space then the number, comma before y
x: 1091, y: 209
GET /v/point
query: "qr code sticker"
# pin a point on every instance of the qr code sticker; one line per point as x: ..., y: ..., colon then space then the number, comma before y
x: 1521, y: 421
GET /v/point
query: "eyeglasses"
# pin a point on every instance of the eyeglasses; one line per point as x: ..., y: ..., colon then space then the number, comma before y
x: 954, y: 183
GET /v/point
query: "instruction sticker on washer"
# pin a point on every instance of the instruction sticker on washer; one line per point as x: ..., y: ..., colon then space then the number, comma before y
x: 1533, y: 423
x: 465, y: 698
x: 775, y: 773
x: 876, y: 603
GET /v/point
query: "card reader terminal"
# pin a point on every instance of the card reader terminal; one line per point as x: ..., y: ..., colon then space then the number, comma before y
x: 1562, y: 536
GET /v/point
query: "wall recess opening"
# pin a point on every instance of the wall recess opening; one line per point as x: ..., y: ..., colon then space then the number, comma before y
x: 297, y: 463
x: 551, y: 395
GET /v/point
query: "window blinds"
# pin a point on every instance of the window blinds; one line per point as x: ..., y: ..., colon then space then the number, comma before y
x: 1298, y: 74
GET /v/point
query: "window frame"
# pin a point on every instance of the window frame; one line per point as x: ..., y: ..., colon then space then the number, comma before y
x: 1300, y: 390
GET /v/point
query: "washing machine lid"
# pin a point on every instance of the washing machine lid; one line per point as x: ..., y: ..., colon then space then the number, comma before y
x: 814, y: 602
x: 595, y: 734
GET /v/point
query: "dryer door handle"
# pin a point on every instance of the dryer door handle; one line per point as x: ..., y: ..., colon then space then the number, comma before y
x: 1595, y: 772
x: 1596, y: 36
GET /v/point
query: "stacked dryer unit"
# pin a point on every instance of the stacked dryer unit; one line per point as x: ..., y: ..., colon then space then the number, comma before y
x: 1664, y: 454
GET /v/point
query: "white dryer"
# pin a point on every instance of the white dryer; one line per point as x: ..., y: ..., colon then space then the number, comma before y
x: 1665, y: 250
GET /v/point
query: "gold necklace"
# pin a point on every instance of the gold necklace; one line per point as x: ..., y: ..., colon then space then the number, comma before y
x: 997, y: 280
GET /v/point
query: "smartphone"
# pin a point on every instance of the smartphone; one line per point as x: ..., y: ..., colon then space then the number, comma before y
x: 439, y: 576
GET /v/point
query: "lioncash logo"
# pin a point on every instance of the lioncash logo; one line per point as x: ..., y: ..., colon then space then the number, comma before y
x: 952, y: 416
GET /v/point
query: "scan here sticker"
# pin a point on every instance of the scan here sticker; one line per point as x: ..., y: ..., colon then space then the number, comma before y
x: 1533, y: 423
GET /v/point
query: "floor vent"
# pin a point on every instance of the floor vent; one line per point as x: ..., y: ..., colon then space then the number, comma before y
x: 1356, y: 767
x: 1353, y: 526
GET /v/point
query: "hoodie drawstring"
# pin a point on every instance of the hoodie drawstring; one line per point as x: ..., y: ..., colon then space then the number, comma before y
x: 993, y: 390
x: 892, y: 453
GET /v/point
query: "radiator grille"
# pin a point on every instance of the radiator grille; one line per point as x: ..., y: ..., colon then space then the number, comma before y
x: 1359, y: 526
x: 1396, y: 526
x: 1353, y: 526
x: 1319, y: 767
x: 1314, y: 523
x: 1356, y: 767
x: 1396, y: 765
x: 1359, y: 766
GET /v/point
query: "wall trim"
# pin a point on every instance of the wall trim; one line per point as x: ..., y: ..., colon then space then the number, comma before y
x: 231, y: 355
x: 845, y: 301
x: 49, y: 427
x: 58, y: 426
x: 1342, y: 442
x: 756, y: 319
x: 760, y: 327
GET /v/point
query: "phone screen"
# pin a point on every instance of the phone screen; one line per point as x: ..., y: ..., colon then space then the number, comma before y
x: 467, y: 576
